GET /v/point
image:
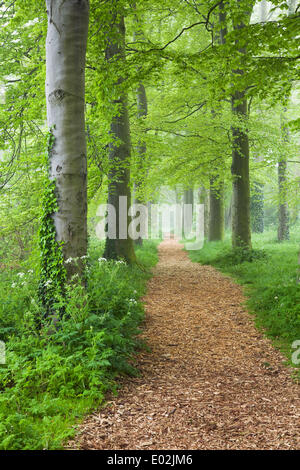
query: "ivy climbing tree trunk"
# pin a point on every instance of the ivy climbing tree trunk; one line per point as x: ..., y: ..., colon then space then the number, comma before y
x: 65, y: 95
x: 241, y: 232
x: 119, y: 194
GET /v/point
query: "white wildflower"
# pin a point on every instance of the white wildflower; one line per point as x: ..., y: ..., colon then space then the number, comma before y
x: 20, y: 274
x: 102, y: 259
x: 14, y: 285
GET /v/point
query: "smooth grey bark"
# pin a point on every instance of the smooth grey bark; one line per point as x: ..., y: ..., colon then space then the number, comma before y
x: 216, y: 185
x: 283, y: 232
x: 216, y: 211
x: 188, y: 199
x: 142, y: 111
x: 204, y: 199
x: 257, y: 207
x: 228, y: 215
x: 257, y: 214
x: 241, y: 232
x: 189, y: 196
x: 65, y: 94
x: 119, y: 153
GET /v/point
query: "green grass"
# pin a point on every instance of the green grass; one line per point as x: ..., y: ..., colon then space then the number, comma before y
x: 269, y: 275
x: 49, y: 382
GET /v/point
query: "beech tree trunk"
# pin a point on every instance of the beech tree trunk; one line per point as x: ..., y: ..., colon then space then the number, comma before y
x: 257, y: 195
x: 283, y: 213
x: 119, y: 155
x: 216, y: 192
x: 65, y: 94
x: 241, y: 232
x: 257, y: 208
x: 216, y: 212
x: 142, y: 110
x: 204, y: 199
x: 283, y: 231
x: 188, y: 198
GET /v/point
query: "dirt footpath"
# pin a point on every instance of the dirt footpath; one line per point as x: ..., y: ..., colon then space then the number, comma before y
x: 211, y: 381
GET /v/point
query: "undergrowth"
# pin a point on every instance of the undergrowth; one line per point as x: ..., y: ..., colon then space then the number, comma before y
x: 50, y: 381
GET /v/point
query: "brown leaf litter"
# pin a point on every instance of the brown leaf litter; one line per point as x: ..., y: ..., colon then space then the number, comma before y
x: 211, y: 380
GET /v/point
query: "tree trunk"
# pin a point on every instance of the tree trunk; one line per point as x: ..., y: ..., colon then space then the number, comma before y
x: 119, y: 156
x: 216, y: 192
x: 187, y: 222
x: 189, y: 196
x: 228, y: 215
x: 65, y: 93
x: 204, y: 199
x: 241, y: 233
x: 283, y: 212
x: 257, y: 197
x: 257, y: 208
x: 142, y: 110
x: 216, y: 212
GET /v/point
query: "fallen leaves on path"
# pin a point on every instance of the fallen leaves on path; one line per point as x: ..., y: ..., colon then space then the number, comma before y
x: 211, y: 380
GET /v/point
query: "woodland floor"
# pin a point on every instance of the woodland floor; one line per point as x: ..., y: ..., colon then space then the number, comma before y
x: 211, y: 380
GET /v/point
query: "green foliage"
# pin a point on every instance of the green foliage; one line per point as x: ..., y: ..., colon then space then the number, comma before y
x: 270, y: 275
x: 21, y: 286
x: 51, y: 380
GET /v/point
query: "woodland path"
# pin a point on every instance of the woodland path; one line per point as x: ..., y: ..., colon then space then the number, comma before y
x: 212, y: 381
